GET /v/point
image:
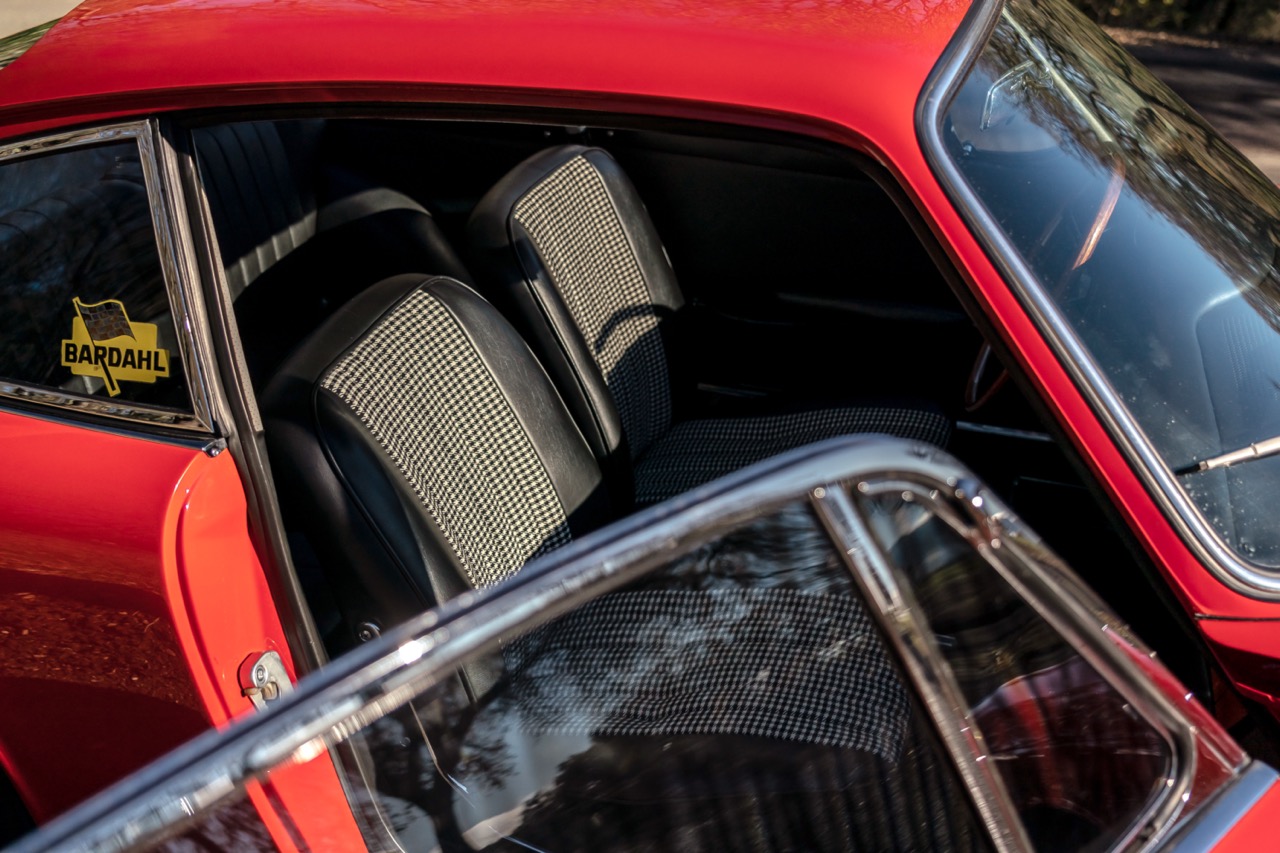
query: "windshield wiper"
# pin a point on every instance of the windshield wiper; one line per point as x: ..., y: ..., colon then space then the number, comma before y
x: 1257, y: 450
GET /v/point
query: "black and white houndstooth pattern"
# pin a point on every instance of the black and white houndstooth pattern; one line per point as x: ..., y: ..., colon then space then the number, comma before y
x: 419, y: 386
x: 696, y: 452
x: 772, y: 663
x: 579, y: 236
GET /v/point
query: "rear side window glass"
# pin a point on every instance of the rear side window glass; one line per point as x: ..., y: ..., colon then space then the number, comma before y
x: 82, y: 297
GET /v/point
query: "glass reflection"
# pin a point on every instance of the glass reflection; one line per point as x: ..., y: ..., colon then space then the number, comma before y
x: 1157, y: 242
x: 1080, y: 764
x: 75, y: 231
x: 739, y: 698
x: 233, y: 825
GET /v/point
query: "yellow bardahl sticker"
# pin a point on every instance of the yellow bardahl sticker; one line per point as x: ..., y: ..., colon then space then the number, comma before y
x: 105, y: 343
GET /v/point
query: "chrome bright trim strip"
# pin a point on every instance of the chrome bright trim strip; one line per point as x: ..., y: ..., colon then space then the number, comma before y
x: 1155, y: 474
x: 173, y: 233
x: 900, y: 615
x: 54, y: 398
x: 1216, y: 818
x: 355, y: 690
x: 1073, y: 612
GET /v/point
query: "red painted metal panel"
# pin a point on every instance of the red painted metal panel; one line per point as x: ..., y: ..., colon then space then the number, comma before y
x: 93, y: 682
x: 1257, y: 829
x: 224, y: 613
x: 753, y: 52
x: 851, y: 72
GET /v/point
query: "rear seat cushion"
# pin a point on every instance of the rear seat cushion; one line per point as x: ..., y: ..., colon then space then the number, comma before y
x: 258, y: 178
x: 301, y: 290
x: 298, y: 237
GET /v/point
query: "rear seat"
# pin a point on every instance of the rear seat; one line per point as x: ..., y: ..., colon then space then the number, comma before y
x: 298, y: 237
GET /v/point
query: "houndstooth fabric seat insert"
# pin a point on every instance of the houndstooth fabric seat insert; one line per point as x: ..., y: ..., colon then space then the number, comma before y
x: 696, y: 452
x: 419, y: 386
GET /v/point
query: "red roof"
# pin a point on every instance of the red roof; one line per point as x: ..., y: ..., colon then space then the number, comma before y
x: 115, y: 57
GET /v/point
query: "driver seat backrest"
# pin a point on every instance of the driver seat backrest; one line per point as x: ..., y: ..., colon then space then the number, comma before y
x: 570, y: 252
x: 420, y: 450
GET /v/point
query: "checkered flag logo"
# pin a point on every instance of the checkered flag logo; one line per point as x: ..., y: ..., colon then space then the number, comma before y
x: 104, y: 320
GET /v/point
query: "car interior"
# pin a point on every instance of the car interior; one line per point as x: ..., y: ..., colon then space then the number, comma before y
x: 474, y: 341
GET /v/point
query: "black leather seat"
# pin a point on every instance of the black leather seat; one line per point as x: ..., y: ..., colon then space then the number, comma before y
x: 571, y: 253
x: 420, y: 450
x: 299, y: 237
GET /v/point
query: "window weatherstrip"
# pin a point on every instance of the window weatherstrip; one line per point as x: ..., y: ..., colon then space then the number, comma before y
x: 195, y: 422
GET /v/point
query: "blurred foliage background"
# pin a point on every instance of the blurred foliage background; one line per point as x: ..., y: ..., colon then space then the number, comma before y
x: 1237, y: 19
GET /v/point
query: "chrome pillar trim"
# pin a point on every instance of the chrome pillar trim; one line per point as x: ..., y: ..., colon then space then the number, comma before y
x: 1151, y: 469
x: 183, y: 279
x: 1073, y: 612
x: 1215, y: 818
x: 899, y: 616
x: 152, y: 416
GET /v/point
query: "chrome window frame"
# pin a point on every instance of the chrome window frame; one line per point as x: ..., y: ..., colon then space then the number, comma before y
x: 180, y: 286
x: 359, y: 688
x: 990, y: 528
x: 1158, y: 478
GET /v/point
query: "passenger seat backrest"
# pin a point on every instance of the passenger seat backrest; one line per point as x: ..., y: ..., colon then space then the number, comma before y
x: 421, y: 450
x: 593, y: 270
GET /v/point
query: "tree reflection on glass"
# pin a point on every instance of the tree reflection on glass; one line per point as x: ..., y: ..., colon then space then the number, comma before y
x: 739, y: 697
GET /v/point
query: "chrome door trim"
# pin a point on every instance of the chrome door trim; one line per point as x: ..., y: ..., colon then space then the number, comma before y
x: 1151, y: 469
x: 1073, y: 612
x: 899, y: 615
x: 197, y: 421
x: 364, y: 685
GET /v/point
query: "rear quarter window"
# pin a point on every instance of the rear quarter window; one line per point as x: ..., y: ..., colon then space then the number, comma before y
x: 82, y: 295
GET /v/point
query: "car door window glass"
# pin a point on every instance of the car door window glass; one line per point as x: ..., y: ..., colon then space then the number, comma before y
x: 85, y: 308
x: 738, y: 698
x: 890, y: 662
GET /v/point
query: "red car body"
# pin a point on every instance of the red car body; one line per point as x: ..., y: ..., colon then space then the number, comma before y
x: 132, y: 580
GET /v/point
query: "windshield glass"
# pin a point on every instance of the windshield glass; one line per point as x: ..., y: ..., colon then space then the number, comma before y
x: 1154, y: 242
